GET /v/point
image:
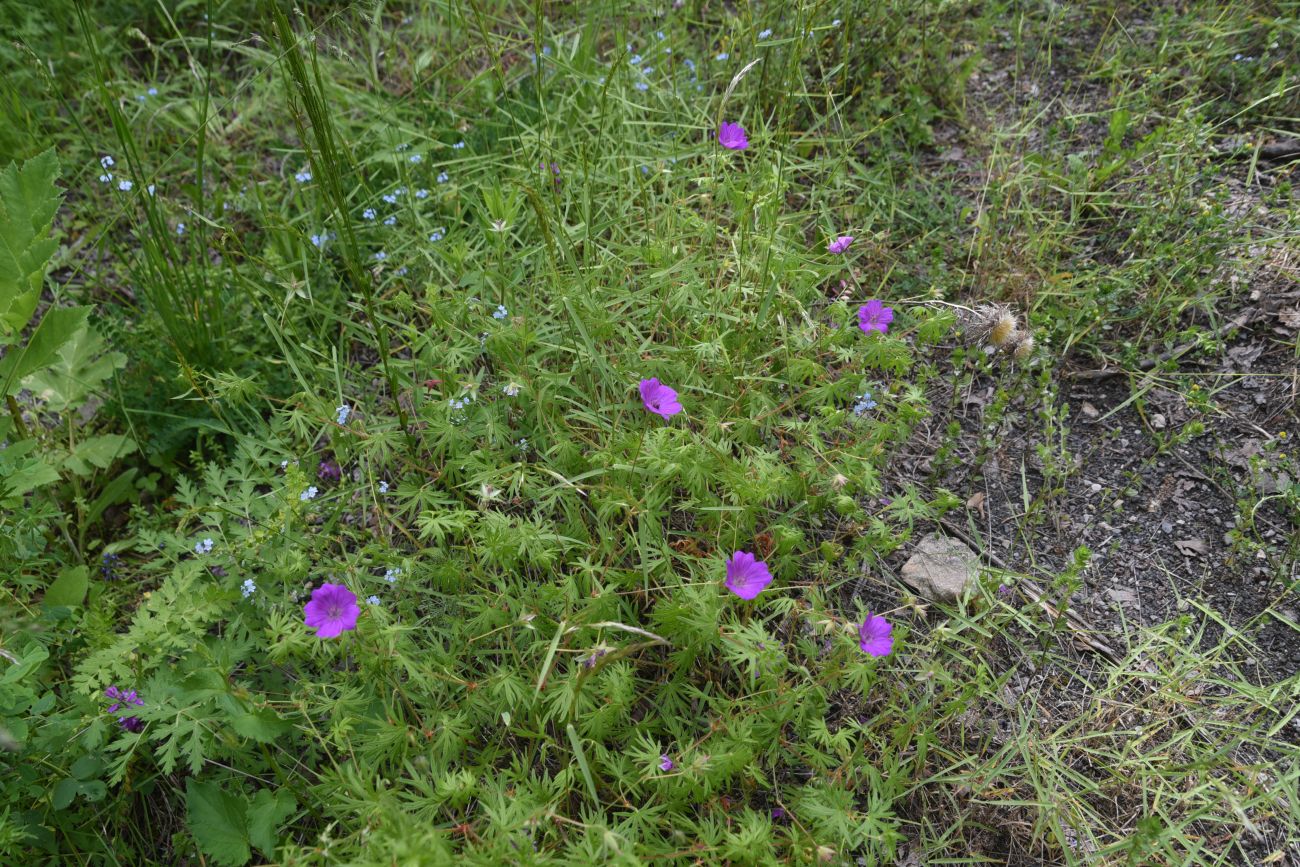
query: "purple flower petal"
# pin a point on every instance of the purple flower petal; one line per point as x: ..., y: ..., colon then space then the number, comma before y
x: 666, y: 764
x: 840, y: 244
x: 875, y: 316
x: 732, y: 136
x: 659, y: 398
x: 875, y: 635
x: 747, y: 575
x: 333, y: 610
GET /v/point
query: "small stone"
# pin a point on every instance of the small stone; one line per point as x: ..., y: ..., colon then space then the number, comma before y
x: 941, y: 568
x: 1095, y: 488
x: 1158, y: 421
x: 1183, y: 605
x: 1166, y: 526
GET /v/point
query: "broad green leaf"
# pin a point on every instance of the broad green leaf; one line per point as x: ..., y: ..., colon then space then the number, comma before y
x: 18, y: 481
x: 99, y: 451
x: 64, y: 793
x: 31, y: 659
x: 218, y: 821
x: 29, y: 199
x: 56, y: 329
x: 265, y: 815
x: 262, y: 725
x: 70, y: 587
x: 114, y: 492
x: 79, y: 367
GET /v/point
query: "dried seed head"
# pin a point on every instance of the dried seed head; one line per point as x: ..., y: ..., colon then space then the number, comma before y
x: 1003, y: 329
x: 1024, y: 347
x: 839, y: 481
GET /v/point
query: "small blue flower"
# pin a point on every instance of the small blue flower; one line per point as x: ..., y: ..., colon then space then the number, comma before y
x: 510, y: 389
x: 648, y: 70
x: 105, y: 177
x: 723, y: 56
x: 124, y: 185
x: 659, y: 34
x: 140, y: 97
x: 864, y: 403
x: 368, y: 214
x: 249, y: 587
x: 443, y: 177
x: 383, y: 487
x: 392, y: 575
x: 309, y: 494
x: 380, y: 256
x: 501, y: 312
x: 390, y: 198
x: 204, y: 547
x: 414, y: 158
x: 836, y: 23
x: 341, y: 414
x: 764, y: 34
x: 458, y: 145
x: 645, y: 170
x: 402, y: 271
x: 180, y: 228
x: 390, y: 221
x: 318, y: 240
x: 689, y: 64
x: 404, y: 146
x: 422, y: 194
x: 372, y: 600
x: 437, y: 235
x: 635, y: 59
x: 641, y: 86
x: 149, y: 189
x: 302, y: 176
x: 106, y: 161
x: 153, y: 91
x: 546, y: 49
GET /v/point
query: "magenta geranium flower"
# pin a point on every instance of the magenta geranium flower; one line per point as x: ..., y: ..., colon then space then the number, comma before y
x: 666, y: 764
x: 659, y: 398
x: 876, y: 635
x: 840, y: 244
x: 747, y: 575
x: 875, y: 316
x: 732, y: 136
x: 333, y: 610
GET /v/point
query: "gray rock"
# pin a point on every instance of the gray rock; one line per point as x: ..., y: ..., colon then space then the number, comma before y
x: 941, y: 568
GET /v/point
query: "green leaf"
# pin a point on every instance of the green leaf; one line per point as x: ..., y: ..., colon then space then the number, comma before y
x: 98, y: 451
x: 263, y: 726
x: 31, y: 659
x: 87, y: 766
x: 70, y: 587
x: 265, y: 815
x: 113, y: 493
x: 79, y: 367
x: 29, y: 199
x: 17, y: 481
x: 56, y: 329
x: 64, y: 793
x: 218, y: 821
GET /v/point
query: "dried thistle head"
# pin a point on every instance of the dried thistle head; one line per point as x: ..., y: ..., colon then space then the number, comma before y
x: 1003, y: 329
x: 1024, y: 347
